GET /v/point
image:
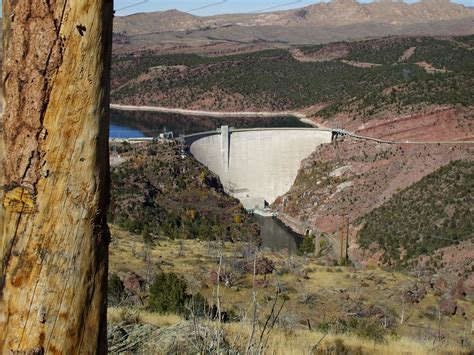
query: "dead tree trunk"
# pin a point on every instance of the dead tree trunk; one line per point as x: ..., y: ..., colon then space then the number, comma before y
x: 54, y: 242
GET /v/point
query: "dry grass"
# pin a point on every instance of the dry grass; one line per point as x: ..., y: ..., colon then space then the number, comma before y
x: 303, y: 341
x: 333, y: 287
x: 287, y: 342
x: 128, y: 315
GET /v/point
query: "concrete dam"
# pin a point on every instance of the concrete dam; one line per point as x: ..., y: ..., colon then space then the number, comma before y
x: 256, y: 165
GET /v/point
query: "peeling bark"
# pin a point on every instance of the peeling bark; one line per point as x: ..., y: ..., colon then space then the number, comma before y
x: 54, y: 242
x: 34, y: 49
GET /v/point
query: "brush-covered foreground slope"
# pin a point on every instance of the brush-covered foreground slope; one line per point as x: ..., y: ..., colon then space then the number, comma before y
x: 433, y: 213
x: 158, y: 190
x: 316, y: 309
x: 361, y: 79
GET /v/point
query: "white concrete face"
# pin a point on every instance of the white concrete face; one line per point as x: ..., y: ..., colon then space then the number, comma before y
x: 262, y: 164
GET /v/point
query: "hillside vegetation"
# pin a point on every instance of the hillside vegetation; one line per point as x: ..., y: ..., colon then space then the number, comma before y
x: 431, y: 214
x: 158, y: 191
x: 275, y: 80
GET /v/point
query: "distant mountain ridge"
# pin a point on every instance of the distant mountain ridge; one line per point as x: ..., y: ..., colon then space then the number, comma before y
x: 335, y: 13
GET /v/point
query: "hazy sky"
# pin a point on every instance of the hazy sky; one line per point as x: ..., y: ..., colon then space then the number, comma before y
x: 212, y: 7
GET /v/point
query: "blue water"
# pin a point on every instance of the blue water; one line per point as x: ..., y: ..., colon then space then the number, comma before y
x: 116, y: 131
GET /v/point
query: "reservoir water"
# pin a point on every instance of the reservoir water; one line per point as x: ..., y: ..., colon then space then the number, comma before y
x: 118, y: 131
x: 150, y: 124
x: 275, y: 235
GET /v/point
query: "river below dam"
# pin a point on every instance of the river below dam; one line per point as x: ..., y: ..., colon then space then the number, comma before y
x: 275, y: 235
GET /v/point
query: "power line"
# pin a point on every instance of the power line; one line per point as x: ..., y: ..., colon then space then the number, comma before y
x: 133, y: 5
x: 206, y: 6
x: 277, y: 6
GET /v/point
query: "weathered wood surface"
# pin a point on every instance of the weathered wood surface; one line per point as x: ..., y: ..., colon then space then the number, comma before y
x: 54, y: 242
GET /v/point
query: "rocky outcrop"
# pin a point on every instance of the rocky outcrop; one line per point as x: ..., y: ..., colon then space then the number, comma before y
x: 413, y: 292
x: 440, y: 287
x: 448, y: 306
x: 133, y: 284
x: 261, y: 266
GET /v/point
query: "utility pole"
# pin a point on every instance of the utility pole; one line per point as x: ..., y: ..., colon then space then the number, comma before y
x: 341, y: 239
x: 347, y: 239
x: 55, y: 176
x: 344, y: 239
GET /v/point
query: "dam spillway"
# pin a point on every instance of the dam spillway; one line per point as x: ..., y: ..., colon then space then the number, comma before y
x: 256, y: 165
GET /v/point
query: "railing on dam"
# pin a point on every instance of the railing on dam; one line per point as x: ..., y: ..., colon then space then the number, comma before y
x: 194, y: 136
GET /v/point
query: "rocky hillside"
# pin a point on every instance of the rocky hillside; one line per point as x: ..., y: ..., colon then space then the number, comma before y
x: 159, y: 191
x: 360, y: 79
x: 350, y: 179
x: 318, y: 23
x: 433, y: 213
